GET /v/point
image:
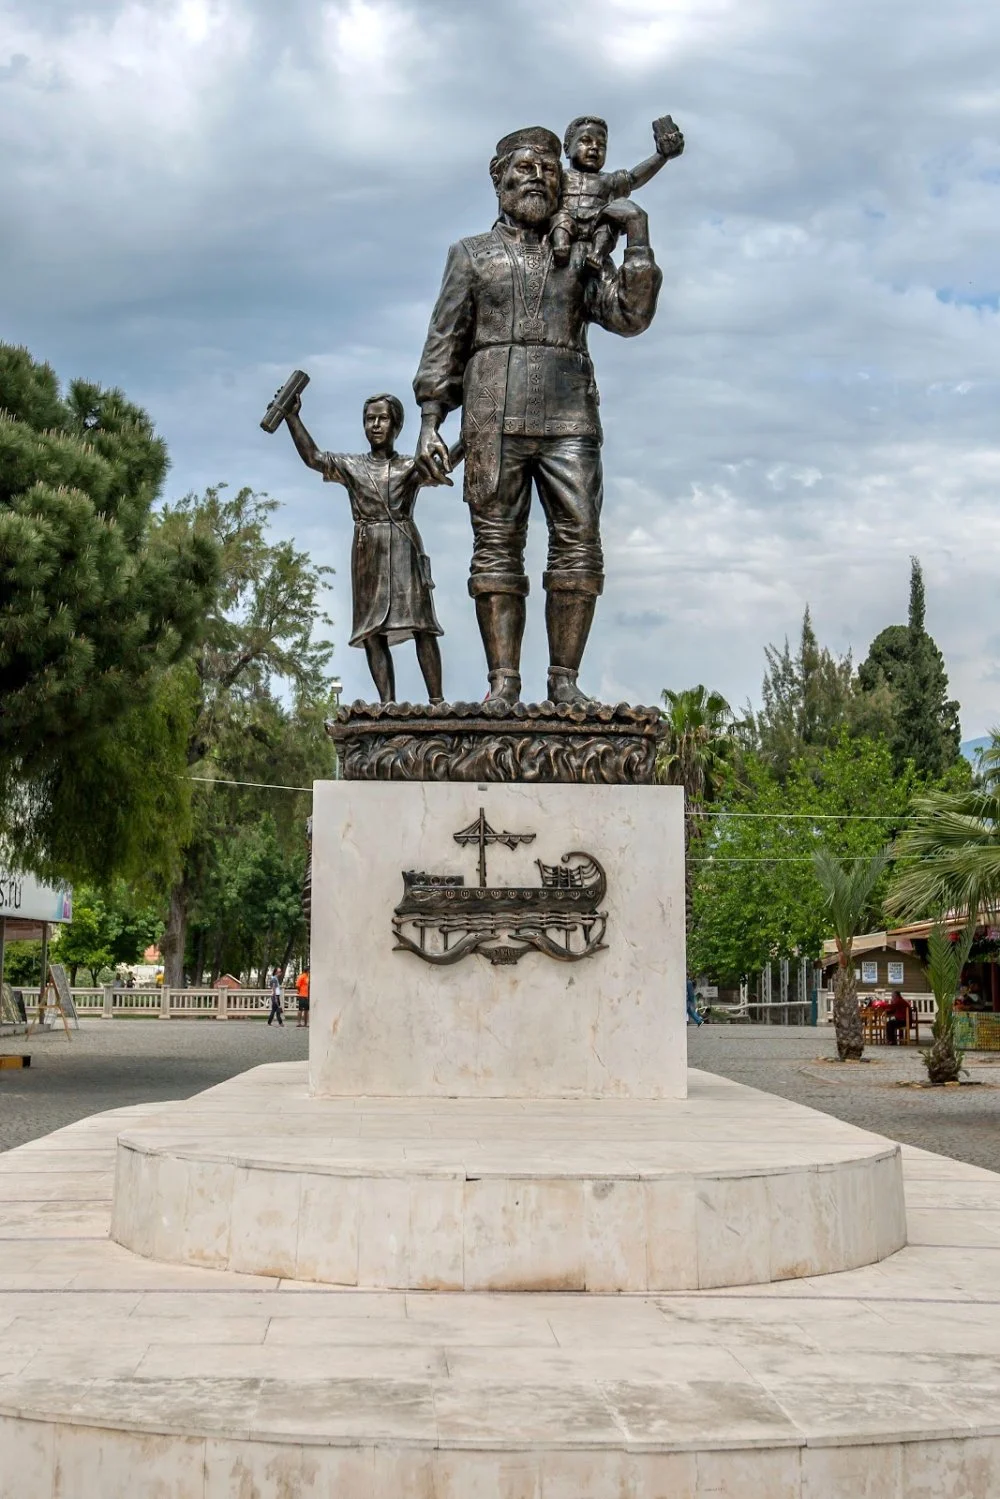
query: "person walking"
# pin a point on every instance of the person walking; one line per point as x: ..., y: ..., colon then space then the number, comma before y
x: 302, y: 985
x: 275, y: 1013
x: 692, y: 1004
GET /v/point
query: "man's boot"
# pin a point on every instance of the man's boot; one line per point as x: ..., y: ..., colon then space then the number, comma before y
x: 501, y: 619
x: 568, y: 617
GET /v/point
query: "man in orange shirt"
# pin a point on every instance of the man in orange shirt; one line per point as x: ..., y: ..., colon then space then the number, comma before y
x: 302, y: 985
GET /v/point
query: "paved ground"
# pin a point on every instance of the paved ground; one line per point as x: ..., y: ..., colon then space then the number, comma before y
x: 121, y: 1376
x: 796, y: 1062
x: 111, y: 1064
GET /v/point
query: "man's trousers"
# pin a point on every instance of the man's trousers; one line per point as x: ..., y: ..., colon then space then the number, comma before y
x: 567, y: 474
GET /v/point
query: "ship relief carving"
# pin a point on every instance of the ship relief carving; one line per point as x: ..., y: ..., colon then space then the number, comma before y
x: 442, y: 920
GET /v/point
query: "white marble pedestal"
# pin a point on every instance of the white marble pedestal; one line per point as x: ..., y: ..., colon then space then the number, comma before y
x: 387, y: 1024
x: 517, y: 1126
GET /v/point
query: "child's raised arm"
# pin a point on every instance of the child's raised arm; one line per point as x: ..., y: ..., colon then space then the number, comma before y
x: 669, y: 143
x: 304, y: 443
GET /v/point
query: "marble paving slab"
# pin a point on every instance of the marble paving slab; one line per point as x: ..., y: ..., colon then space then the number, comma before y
x: 123, y: 1377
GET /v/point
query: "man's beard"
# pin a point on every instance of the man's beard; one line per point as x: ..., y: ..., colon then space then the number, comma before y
x: 527, y: 207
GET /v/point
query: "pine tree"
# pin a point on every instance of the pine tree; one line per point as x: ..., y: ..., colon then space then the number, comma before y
x: 806, y: 700
x: 97, y: 601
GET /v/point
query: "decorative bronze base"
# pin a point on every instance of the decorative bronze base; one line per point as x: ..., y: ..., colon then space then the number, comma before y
x: 593, y: 743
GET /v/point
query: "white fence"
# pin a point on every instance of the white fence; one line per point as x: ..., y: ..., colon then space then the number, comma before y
x: 171, y: 1004
x: 924, y: 1004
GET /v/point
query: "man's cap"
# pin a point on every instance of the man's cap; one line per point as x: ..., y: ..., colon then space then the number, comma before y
x: 531, y: 135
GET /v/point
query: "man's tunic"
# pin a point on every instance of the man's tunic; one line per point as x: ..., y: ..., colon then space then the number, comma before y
x: 508, y: 343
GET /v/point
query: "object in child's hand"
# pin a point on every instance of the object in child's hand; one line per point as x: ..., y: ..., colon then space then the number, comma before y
x: 278, y: 409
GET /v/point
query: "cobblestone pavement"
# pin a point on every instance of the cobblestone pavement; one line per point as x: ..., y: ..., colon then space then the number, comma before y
x: 111, y: 1063
x: 798, y: 1062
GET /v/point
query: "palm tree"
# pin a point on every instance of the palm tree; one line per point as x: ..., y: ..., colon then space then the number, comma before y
x: 848, y: 890
x: 946, y: 959
x: 953, y: 841
x: 700, y: 739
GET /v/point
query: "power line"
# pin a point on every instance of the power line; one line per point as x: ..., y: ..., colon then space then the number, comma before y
x: 813, y: 816
x: 260, y: 785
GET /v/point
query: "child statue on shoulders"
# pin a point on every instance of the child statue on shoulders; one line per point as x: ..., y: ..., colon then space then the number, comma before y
x: 587, y: 189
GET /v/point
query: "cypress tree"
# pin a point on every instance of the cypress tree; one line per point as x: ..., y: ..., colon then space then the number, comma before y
x: 905, y: 660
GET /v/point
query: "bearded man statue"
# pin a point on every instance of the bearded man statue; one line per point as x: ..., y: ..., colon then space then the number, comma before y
x: 508, y: 344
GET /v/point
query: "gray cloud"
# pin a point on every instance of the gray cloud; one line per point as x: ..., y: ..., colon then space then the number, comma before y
x: 203, y: 193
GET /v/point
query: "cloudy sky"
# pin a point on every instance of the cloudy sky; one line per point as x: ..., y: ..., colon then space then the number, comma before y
x: 200, y: 195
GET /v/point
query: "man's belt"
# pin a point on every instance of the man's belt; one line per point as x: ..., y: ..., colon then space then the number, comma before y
x: 529, y: 343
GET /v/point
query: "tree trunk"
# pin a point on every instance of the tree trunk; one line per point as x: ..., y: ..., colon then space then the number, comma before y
x: 199, y: 959
x: 688, y: 875
x: 847, y: 1016
x: 943, y: 1060
x: 693, y: 829
x: 175, y: 937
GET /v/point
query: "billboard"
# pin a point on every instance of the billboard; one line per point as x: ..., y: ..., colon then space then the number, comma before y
x: 22, y: 897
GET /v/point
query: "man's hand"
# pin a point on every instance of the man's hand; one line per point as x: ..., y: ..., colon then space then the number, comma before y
x: 431, y: 456
x: 667, y: 138
x: 294, y: 407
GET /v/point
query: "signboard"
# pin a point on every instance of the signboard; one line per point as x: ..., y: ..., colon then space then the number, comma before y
x: 22, y: 897
x: 57, y: 974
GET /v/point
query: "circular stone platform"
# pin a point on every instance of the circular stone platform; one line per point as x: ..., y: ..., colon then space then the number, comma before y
x: 728, y: 1187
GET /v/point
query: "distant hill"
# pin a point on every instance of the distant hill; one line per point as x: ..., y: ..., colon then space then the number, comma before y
x: 971, y: 747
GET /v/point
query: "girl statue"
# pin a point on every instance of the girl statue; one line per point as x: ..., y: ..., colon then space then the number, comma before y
x: 391, y: 579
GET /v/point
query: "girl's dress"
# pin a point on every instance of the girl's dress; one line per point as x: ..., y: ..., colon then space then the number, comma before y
x: 390, y: 571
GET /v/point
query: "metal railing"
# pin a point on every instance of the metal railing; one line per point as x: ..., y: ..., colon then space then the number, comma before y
x: 108, y: 1003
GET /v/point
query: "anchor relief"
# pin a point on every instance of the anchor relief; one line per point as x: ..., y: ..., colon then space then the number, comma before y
x: 442, y: 920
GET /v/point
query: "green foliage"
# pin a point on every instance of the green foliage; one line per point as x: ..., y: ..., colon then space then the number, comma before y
x: 847, y: 890
x: 950, y: 852
x: 22, y: 964
x: 946, y: 959
x: 260, y: 696
x: 98, y: 599
x: 122, y: 806
x: 108, y: 929
x: 756, y: 896
x: 904, y: 684
x: 250, y: 911
x: 806, y: 702
x: 700, y: 741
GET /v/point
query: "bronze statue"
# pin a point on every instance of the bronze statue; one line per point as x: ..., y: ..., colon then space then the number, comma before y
x: 587, y: 189
x: 390, y: 571
x: 508, y: 343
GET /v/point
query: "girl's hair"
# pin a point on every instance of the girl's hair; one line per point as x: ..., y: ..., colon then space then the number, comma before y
x: 395, y: 406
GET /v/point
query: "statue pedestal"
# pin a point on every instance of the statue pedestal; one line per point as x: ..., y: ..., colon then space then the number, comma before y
x: 397, y: 1011
x: 497, y: 1089
x: 496, y: 1100
x: 586, y: 744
